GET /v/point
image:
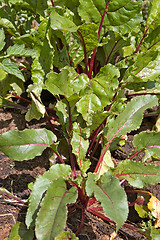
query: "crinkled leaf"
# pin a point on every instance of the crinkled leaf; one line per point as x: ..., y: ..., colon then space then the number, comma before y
x: 66, y: 83
x: 40, y: 187
x: 2, y: 38
x: 20, y: 50
x: 153, y: 19
x: 146, y: 67
x: 37, y: 72
x: 89, y: 104
x: 52, y: 215
x: 26, y: 144
x: 59, y: 22
x: 19, y: 231
x: 148, y: 141
x: 138, y: 174
x: 12, y: 68
x: 111, y: 195
x: 131, y: 118
x: 79, y: 148
x: 122, y: 17
x: 105, y: 84
x: 88, y: 35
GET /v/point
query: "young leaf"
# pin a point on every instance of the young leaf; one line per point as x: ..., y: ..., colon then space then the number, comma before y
x: 52, y: 215
x: 40, y: 187
x: 131, y: 118
x: 153, y: 19
x: 66, y: 83
x: 20, y: 50
x: 88, y: 104
x: 12, y: 68
x: 107, y: 163
x: 148, y: 141
x: 105, y: 84
x: 19, y: 231
x: 59, y: 22
x: 26, y: 144
x: 37, y: 109
x: 138, y: 174
x: 88, y: 34
x: 79, y: 148
x: 111, y: 195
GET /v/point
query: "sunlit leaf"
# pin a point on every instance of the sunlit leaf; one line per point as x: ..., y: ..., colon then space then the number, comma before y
x: 26, y: 144
x: 138, y: 174
x: 111, y: 195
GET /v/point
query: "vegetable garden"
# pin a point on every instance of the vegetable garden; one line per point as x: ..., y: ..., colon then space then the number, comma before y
x: 91, y: 70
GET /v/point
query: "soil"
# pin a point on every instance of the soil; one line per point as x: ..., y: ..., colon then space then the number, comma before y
x: 15, y: 177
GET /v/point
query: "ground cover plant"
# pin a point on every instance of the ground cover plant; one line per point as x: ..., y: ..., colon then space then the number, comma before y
x: 100, y: 62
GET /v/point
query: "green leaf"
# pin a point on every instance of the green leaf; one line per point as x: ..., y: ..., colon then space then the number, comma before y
x: 66, y: 235
x: 2, y: 38
x: 38, y: 6
x: 79, y: 148
x: 5, y: 23
x: 20, y: 50
x: 37, y: 109
x: 88, y: 33
x: 66, y: 83
x: 19, y: 231
x: 59, y: 22
x: 52, y: 215
x: 104, y: 85
x: 153, y: 19
x: 26, y: 144
x: 88, y: 105
x: 145, y: 68
x: 148, y: 141
x: 106, y: 164
x: 111, y: 195
x: 121, y: 17
x: 131, y: 118
x: 11, y: 68
x: 40, y: 187
x: 37, y: 72
x: 138, y: 174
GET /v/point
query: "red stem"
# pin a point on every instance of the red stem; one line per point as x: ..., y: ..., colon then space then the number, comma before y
x: 72, y: 159
x: 142, y: 39
x: 95, y: 148
x: 81, y: 224
x: 15, y: 198
x: 108, y: 220
x: 136, y: 153
x: 59, y: 157
x: 85, y: 52
x: 52, y: 3
x: 24, y: 99
x: 138, y: 191
x: 94, y: 51
x: 111, y: 52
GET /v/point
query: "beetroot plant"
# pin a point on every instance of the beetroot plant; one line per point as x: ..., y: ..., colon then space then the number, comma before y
x: 100, y: 62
